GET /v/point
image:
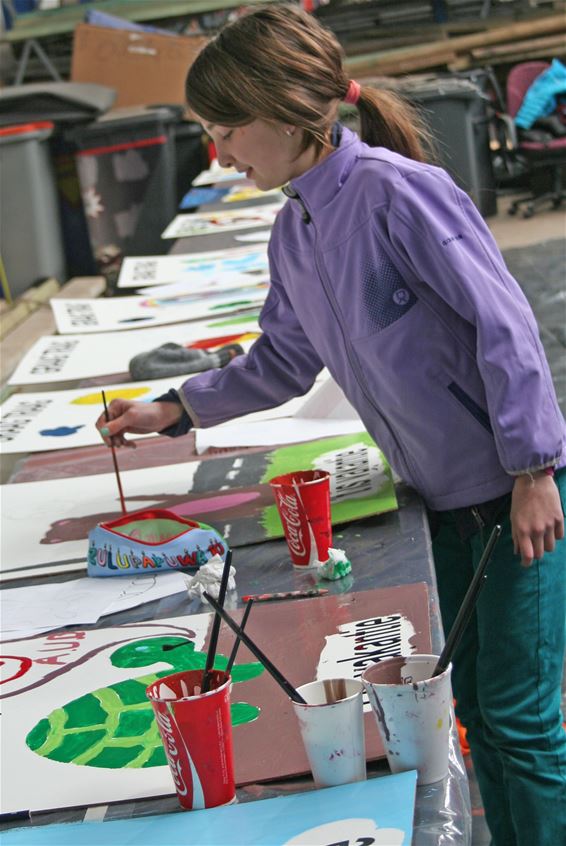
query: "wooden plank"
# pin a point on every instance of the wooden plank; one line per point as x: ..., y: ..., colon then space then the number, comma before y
x: 412, y: 58
x: 554, y: 43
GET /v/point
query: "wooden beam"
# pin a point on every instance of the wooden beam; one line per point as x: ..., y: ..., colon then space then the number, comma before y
x: 438, y: 52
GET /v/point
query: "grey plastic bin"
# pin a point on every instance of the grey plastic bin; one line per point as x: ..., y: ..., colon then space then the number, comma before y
x: 31, y: 243
x: 457, y: 112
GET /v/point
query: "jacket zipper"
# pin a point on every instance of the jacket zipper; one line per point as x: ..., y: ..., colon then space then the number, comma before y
x: 307, y: 218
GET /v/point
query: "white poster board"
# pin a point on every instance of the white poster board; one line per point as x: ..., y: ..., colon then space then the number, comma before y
x: 37, y: 516
x: 36, y: 422
x: 61, y: 359
x: 120, y: 313
x: 218, y: 270
x: 64, y: 666
x: 208, y: 223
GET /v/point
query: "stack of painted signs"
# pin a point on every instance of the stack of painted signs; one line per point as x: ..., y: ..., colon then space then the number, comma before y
x: 200, y: 300
x: 78, y: 726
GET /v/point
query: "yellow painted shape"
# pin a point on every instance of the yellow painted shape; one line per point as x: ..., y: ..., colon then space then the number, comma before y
x: 439, y: 723
x: 123, y: 393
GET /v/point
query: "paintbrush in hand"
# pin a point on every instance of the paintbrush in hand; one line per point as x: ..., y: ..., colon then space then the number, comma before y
x: 114, y: 459
x: 211, y: 654
x: 255, y: 650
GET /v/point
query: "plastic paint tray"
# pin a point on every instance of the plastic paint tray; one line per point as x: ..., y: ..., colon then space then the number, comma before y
x: 151, y: 541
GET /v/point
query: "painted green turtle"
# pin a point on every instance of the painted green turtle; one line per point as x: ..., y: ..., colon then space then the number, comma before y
x: 114, y: 726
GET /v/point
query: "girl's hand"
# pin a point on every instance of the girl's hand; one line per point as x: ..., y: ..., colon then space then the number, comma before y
x: 138, y: 418
x: 537, y: 521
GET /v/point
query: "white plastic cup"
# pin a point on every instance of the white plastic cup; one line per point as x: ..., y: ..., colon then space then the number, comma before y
x: 413, y: 713
x: 332, y: 728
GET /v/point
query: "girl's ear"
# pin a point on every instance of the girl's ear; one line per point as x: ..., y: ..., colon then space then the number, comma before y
x: 290, y: 131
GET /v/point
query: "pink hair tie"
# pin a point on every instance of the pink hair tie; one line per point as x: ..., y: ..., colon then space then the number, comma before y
x: 353, y: 93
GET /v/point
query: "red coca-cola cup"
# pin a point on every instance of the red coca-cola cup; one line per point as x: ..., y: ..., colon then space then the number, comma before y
x: 196, y: 730
x: 303, y: 502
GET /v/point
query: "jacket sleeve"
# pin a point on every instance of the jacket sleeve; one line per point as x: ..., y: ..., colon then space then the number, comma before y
x: 280, y: 365
x: 437, y: 232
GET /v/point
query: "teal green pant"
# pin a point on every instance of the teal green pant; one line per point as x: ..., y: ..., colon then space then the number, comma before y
x: 506, y: 678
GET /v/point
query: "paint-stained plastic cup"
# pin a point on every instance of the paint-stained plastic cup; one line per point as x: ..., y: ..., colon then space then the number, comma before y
x: 332, y: 729
x: 413, y: 713
x: 303, y: 503
x: 196, y: 730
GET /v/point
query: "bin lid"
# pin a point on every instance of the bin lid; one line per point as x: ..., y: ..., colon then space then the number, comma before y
x: 433, y: 88
x: 60, y: 102
x: 131, y: 118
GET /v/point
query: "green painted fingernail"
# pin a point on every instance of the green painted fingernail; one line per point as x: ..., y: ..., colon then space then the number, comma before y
x: 105, y: 432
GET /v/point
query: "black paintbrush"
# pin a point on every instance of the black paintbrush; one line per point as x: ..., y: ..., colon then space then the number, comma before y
x: 216, y: 624
x: 114, y: 459
x: 255, y: 650
x: 468, y: 605
x: 236, y: 646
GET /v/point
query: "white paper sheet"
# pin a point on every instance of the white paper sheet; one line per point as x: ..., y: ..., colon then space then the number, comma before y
x: 261, y: 236
x: 37, y: 517
x: 188, y: 225
x: 61, y: 359
x: 215, y: 174
x: 26, y: 611
x: 36, y: 422
x: 270, y: 432
x: 202, y: 271
x: 127, y: 313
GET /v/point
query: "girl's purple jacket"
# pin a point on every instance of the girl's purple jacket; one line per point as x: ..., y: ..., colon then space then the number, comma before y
x: 383, y: 271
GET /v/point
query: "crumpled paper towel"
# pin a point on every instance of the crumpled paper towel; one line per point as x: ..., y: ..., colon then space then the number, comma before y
x: 336, y: 567
x: 208, y: 578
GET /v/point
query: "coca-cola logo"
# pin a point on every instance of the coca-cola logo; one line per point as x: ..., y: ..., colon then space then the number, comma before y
x: 172, y: 753
x: 290, y: 510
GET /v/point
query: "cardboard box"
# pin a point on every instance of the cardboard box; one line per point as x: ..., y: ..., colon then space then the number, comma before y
x: 144, y: 68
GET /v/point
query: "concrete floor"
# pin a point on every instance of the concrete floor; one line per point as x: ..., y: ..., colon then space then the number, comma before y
x: 512, y: 231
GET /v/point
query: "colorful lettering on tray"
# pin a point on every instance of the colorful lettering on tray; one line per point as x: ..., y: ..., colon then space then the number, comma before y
x: 120, y: 560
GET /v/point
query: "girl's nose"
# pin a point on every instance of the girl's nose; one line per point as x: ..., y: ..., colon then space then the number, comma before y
x: 224, y: 159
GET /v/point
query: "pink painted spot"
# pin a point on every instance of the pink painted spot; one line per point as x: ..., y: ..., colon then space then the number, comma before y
x: 214, y: 503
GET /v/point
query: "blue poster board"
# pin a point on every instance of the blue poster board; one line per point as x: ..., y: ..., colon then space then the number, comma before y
x: 377, y: 812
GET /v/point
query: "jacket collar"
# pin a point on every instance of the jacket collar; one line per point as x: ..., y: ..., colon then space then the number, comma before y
x: 319, y: 185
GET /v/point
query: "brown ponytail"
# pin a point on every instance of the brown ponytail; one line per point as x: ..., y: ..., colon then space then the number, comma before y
x: 386, y: 120
x: 277, y: 63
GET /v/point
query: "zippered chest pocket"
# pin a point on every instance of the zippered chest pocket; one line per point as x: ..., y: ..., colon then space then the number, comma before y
x: 370, y: 291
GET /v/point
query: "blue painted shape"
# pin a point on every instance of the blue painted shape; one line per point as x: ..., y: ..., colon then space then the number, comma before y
x: 201, y: 196
x: 61, y: 431
x: 386, y: 802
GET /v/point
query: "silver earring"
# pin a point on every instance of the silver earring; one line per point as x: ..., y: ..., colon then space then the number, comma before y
x: 289, y: 132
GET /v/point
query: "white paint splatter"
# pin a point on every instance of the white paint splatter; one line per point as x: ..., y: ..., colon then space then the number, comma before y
x: 348, y: 831
x: 363, y: 642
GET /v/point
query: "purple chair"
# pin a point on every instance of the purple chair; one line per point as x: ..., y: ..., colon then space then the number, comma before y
x: 539, y: 149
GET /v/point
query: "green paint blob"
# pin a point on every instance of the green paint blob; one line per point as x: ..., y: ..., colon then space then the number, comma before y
x: 245, y: 672
x: 134, y: 723
x: 73, y: 745
x: 131, y: 692
x: 38, y: 735
x: 242, y: 712
x: 85, y: 711
x: 114, y: 727
x: 236, y: 320
x: 115, y: 758
x: 156, y: 759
